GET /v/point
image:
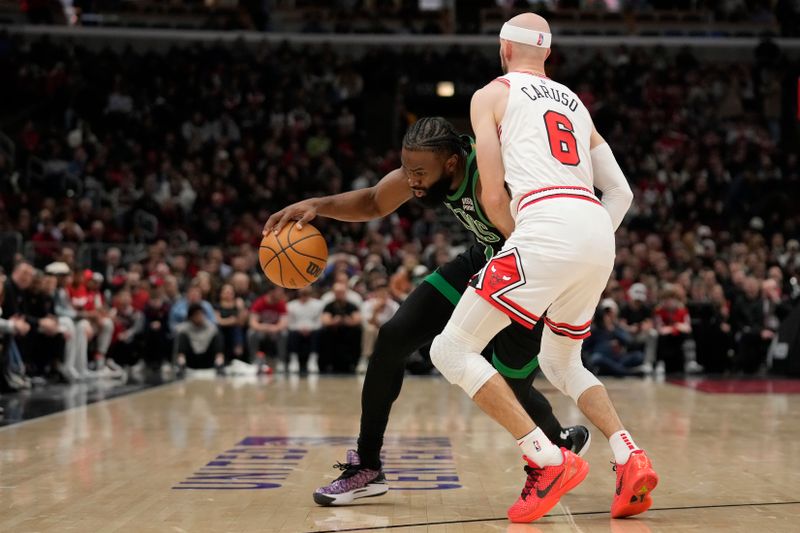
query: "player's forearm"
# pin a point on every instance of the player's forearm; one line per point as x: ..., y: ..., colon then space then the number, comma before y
x: 497, y: 207
x: 608, y: 177
x: 351, y: 206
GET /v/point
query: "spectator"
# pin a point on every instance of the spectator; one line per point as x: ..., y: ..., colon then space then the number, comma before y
x: 157, y: 334
x: 140, y: 292
x: 776, y: 307
x: 377, y: 311
x: 128, y: 326
x: 172, y: 292
x: 11, y: 373
x: 88, y: 302
x: 717, y: 359
x: 340, y: 340
x: 636, y: 317
x: 179, y: 312
x: 43, y: 349
x: 111, y: 265
x: 199, y: 343
x: 76, y: 329
x: 304, y: 322
x: 268, y: 323
x: 47, y: 238
x: 673, y: 325
x: 231, y: 317
x: 352, y: 296
x: 608, y: 346
x: 756, y: 319
x: 241, y: 287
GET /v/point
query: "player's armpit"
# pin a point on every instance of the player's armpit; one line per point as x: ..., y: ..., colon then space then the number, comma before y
x: 494, y: 198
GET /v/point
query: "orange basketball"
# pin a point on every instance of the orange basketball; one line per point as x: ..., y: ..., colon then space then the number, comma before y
x: 293, y: 258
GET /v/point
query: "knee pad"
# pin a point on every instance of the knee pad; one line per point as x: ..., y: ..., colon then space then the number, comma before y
x: 456, y: 355
x: 560, y: 361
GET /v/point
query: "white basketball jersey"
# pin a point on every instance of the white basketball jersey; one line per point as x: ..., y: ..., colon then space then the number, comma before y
x: 545, y: 136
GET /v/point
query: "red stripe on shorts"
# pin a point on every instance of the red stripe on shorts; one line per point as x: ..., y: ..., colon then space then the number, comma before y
x: 576, y: 196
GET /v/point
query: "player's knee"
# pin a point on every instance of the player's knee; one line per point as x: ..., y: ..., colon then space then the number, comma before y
x: 578, y: 380
x: 391, y: 340
x: 457, y: 359
x: 442, y: 350
x: 557, y: 355
x: 560, y: 361
x: 553, y: 372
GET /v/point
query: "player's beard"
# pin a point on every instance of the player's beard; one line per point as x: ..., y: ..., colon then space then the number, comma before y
x: 503, y: 64
x: 436, y: 193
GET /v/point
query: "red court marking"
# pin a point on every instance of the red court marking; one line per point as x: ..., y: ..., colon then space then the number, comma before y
x: 740, y: 386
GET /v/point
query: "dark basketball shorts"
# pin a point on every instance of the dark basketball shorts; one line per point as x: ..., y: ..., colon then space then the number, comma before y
x: 514, y: 351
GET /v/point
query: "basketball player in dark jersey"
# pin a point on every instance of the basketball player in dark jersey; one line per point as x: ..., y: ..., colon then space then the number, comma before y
x: 438, y: 167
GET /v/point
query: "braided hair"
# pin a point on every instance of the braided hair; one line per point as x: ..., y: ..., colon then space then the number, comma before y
x: 435, y: 134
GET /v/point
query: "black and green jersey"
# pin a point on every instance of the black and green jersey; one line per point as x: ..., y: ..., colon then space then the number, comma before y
x: 465, y: 206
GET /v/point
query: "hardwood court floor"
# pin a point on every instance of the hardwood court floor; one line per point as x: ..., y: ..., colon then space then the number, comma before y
x: 245, y: 456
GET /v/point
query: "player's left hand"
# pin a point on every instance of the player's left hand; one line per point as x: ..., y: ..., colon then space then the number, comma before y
x: 302, y: 212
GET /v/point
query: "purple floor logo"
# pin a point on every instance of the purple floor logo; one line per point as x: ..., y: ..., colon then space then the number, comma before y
x: 410, y: 463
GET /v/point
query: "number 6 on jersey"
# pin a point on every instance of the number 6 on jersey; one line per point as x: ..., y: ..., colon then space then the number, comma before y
x: 562, y: 141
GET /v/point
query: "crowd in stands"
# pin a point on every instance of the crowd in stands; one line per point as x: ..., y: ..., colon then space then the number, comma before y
x: 421, y: 17
x: 70, y: 324
x: 140, y: 184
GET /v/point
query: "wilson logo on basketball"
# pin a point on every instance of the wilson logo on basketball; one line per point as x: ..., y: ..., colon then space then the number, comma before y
x: 314, y: 269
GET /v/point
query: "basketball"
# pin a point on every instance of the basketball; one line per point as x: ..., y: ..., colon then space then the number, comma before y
x: 293, y: 258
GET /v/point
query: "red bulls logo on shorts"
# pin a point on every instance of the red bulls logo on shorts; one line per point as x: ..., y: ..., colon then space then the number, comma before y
x: 502, y: 272
x: 498, y: 278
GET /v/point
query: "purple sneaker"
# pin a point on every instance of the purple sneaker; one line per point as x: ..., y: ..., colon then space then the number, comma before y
x: 354, y: 483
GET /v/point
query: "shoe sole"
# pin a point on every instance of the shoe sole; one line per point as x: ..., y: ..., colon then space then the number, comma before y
x: 642, y: 487
x: 585, y: 447
x: 370, y: 491
x: 573, y: 482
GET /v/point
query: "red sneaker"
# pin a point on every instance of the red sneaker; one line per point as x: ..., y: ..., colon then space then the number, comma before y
x: 545, y: 486
x: 636, y: 479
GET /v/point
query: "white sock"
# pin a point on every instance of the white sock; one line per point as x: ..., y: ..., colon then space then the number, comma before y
x: 622, y: 445
x: 538, y: 448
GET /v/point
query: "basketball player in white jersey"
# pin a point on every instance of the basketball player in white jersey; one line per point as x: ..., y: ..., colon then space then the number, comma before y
x: 539, y: 153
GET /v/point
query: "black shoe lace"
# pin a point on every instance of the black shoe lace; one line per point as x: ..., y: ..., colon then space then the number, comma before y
x: 348, y: 469
x: 533, y: 477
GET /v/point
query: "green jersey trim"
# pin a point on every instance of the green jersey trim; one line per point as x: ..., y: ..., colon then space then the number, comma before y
x: 461, y: 188
x: 514, y: 373
x: 444, y: 287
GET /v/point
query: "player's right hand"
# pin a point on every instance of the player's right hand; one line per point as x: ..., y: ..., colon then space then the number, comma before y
x: 302, y: 212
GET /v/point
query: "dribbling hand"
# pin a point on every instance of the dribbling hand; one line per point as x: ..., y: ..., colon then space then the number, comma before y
x: 302, y: 212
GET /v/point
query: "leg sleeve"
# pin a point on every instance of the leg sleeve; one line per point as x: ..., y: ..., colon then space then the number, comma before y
x: 421, y: 317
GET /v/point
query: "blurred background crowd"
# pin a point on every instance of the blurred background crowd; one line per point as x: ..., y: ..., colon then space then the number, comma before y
x: 597, y: 17
x: 134, y: 185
